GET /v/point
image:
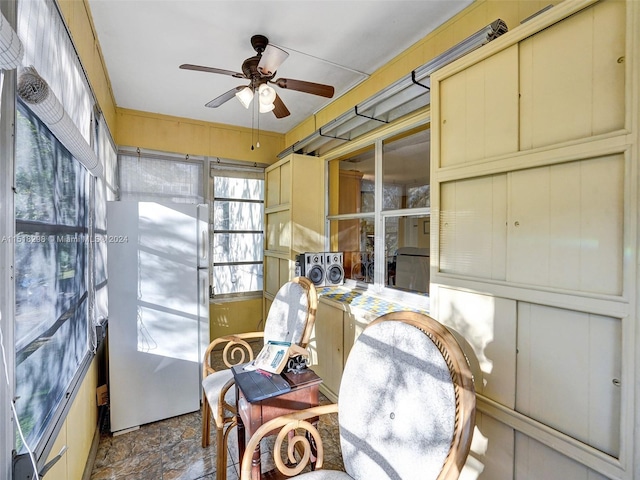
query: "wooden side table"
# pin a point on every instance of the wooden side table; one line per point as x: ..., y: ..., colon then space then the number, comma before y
x: 251, y: 415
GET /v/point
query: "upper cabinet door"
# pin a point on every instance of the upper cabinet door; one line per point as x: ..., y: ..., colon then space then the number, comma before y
x: 566, y: 82
x: 479, y: 110
x: 572, y: 78
x: 273, y: 187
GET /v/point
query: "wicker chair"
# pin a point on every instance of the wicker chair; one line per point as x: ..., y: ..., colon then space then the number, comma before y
x: 290, y: 318
x: 406, y: 409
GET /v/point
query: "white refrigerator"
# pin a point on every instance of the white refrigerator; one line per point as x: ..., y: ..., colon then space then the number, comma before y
x: 158, y: 284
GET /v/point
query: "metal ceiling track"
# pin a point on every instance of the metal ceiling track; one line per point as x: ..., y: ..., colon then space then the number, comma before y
x: 402, y: 97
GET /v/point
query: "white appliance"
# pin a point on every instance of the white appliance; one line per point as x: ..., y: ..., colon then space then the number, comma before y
x: 412, y: 269
x: 157, y: 262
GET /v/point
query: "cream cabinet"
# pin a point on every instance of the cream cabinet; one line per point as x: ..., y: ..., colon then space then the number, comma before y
x: 294, y: 217
x: 336, y: 329
x: 582, y: 396
x: 561, y: 84
x: 326, y: 348
x: 558, y: 226
x: 353, y: 327
x: 473, y: 228
x: 565, y: 225
x: 534, y: 201
x: 489, y: 325
x: 480, y: 117
x: 572, y: 77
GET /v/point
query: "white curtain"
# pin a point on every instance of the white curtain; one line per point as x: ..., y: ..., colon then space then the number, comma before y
x: 161, y: 178
x: 48, y: 48
x: 108, y: 156
x: 105, y: 191
x: 11, y: 49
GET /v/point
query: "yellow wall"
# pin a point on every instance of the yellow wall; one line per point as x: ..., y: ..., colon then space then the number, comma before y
x: 235, y: 317
x: 194, y: 137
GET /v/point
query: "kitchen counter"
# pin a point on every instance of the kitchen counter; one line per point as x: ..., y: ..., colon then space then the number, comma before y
x: 366, y: 303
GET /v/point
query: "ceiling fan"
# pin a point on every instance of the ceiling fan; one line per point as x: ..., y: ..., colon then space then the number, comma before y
x: 260, y: 70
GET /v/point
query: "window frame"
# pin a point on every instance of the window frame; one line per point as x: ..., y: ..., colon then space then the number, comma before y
x: 227, y: 168
x: 416, y: 121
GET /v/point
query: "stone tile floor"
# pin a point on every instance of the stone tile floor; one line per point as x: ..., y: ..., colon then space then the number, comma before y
x: 171, y: 450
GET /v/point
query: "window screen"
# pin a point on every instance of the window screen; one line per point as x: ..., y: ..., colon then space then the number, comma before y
x: 237, y: 213
x: 51, y: 210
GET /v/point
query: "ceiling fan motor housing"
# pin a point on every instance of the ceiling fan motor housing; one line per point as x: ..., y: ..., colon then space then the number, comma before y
x: 250, y: 70
x: 259, y: 43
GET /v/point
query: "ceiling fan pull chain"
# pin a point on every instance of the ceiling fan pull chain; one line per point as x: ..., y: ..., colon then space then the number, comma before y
x: 258, y: 142
x: 253, y: 116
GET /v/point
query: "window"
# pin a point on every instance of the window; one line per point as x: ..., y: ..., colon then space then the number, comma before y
x: 352, y: 182
x: 51, y: 250
x: 236, y: 209
x: 237, y: 225
x: 392, y: 195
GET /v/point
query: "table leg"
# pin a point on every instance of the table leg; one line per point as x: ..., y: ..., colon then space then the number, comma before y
x: 256, y: 467
x: 242, y: 444
x: 256, y: 471
x: 314, y: 449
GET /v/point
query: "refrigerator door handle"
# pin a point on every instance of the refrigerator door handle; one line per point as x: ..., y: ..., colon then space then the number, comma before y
x: 202, y: 213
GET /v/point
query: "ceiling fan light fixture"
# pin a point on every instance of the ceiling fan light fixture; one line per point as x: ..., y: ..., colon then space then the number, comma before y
x: 266, y: 108
x: 245, y: 96
x: 266, y: 94
x: 271, y: 59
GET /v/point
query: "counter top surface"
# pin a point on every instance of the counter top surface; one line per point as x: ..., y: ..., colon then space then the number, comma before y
x: 355, y: 298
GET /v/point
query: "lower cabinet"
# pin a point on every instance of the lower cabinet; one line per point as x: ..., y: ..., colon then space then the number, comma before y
x: 326, y: 348
x: 335, y: 332
x: 353, y: 326
x: 547, y: 374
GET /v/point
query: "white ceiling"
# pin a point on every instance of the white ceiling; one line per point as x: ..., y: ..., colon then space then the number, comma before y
x: 338, y: 43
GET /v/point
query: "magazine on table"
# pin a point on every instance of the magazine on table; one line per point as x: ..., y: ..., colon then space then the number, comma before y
x: 274, y: 356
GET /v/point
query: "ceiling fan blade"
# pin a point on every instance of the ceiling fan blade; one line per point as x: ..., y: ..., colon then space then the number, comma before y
x: 199, y: 68
x: 306, y: 87
x: 271, y: 59
x: 216, y: 102
x: 280, y: 110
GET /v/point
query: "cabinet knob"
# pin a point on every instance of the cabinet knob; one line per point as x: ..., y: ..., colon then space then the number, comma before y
x: 516, y: 223
x: 616, y: 382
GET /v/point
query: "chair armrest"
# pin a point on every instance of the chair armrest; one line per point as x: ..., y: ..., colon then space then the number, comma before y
x: 236, y: 350
x: 289, y: 423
